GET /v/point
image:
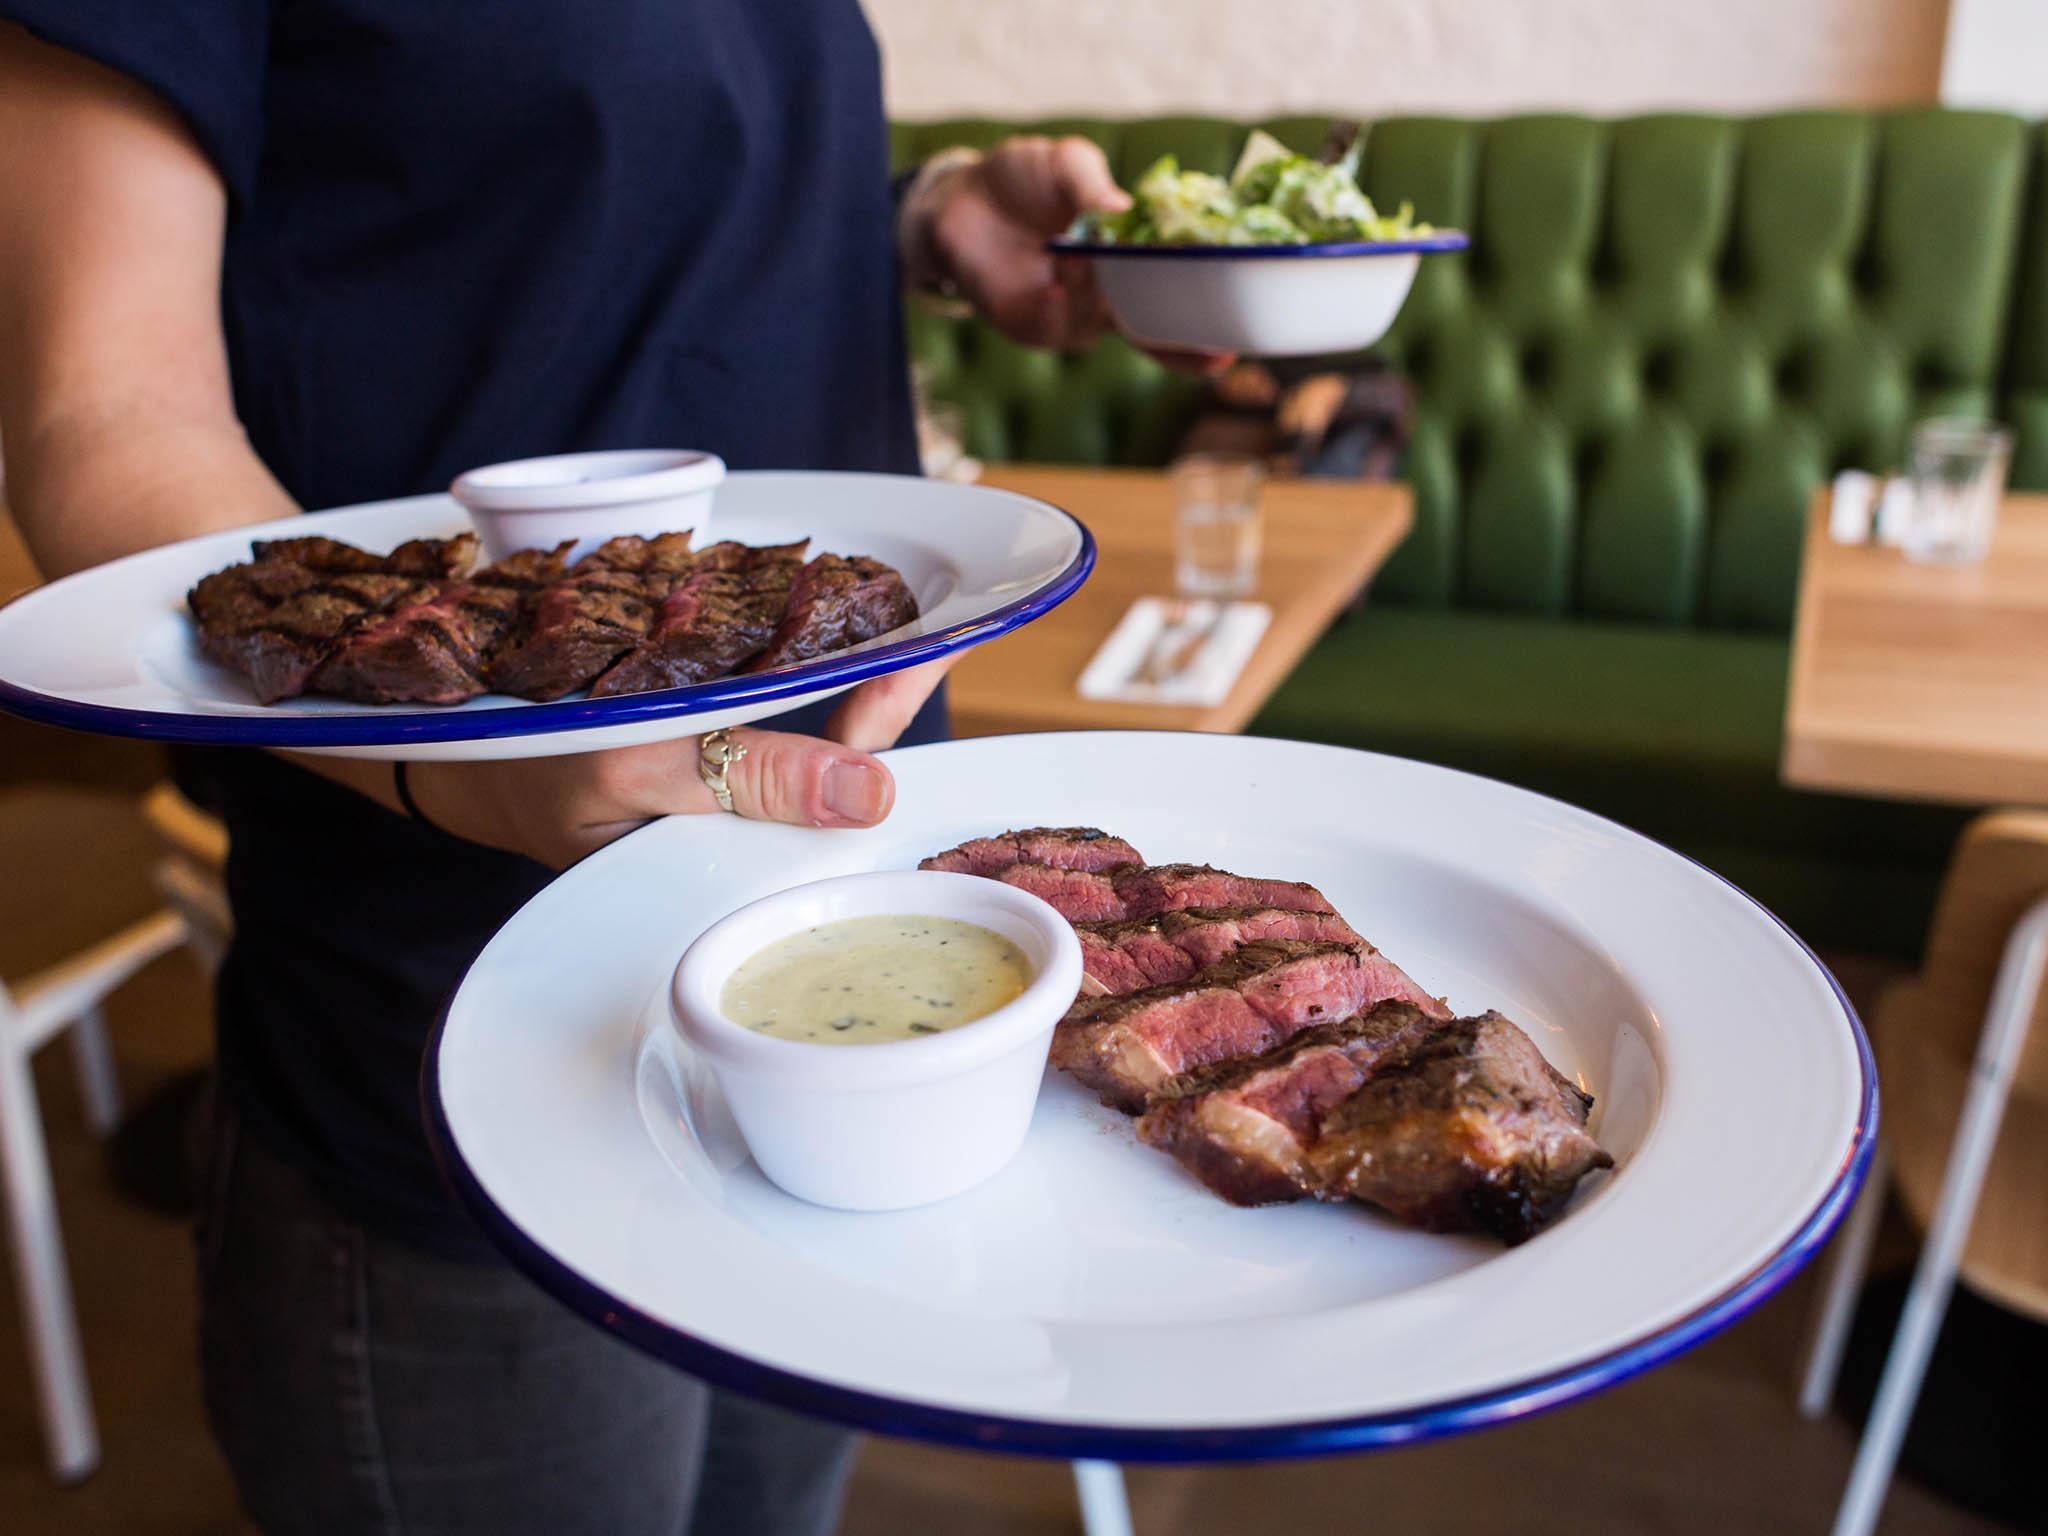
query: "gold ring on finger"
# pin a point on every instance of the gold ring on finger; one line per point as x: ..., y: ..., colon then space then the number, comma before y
x: 715, y: 754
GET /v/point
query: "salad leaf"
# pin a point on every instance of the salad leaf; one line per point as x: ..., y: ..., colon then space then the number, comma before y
x: 1272, y: 197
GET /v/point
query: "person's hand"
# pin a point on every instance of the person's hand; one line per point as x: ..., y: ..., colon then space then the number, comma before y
x: 985, y: 224
x: 557, y: 809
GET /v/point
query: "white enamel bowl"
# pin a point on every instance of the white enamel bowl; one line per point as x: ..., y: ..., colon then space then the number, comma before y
x: 590, y: 497
x: 112, y: 649
x: 1260, y: 301
x: 1091, y: 1299
x: 881, y: 1127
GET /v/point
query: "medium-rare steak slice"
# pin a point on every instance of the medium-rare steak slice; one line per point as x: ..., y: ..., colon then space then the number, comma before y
x: 837, y: 601
x: 1126, y: 1048
x: 584, y: 622
x: 1157, y: 951
x: 1244, y: 1127
x: 429, y: 651
x: 572, y: 631
x: 1078, y: 895
x: 1156, y: 888
x: 1468, y: 1127
x: 715, y: 617
x: 1086, y: 848
x: 1146, y: 890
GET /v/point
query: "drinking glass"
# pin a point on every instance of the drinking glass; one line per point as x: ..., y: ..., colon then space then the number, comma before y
x: 1216, y: 525
x: 1958, y: 475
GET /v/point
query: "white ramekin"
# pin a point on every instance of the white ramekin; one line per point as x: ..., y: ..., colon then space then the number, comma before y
x: 589, y: 497
x: 880, y: 1127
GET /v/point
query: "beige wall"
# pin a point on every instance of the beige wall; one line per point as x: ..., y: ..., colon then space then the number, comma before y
x: 1250, y: 57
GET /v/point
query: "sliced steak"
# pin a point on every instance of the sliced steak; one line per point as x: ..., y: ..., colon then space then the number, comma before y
x: 1145, y: 890
x: 1126, y: 1048
x: 279, y: 651
x: 1468, y: 1127
x: 1085, y: 848
x: 665, y: 554
x: 242, y: 596
x: 527, y: 569
x: 1078, y: 895
x: 1157, y: 951
x: 1156, y: 888
x: 316, y: 553
x: 428, y: 559
x: 1244, y: 1127
x: 837, y: 601
x: 715, y: 617
x: 574, y: 630
x: 428, y: 651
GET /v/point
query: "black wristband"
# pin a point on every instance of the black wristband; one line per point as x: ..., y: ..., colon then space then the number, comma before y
x: 401, y: 780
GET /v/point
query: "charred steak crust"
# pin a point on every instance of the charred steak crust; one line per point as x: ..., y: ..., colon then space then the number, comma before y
x: 527, y: 569
x: 572, y: 631
x: 1243, y: 1127
x: 1469, y: 1127
x: 837, y: 601
x: 420, y: 625
x: 1082, y: 848
x: 715, y: 617
x: 427, y: 652
x: 276, y: 618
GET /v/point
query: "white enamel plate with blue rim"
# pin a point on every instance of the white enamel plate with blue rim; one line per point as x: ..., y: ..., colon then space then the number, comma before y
x: 113, y: 650
x: 1092, y: 1300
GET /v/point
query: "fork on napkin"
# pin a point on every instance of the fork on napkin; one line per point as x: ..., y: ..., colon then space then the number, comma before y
x: 1173, y: 651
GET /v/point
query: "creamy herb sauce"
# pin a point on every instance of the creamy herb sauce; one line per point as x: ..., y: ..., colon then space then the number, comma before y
x: 865, y: 980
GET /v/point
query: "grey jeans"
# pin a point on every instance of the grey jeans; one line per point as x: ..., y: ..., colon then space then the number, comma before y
x: 359, y: 1387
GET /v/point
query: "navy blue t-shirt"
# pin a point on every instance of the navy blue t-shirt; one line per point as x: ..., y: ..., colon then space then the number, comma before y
x: 465, y: 232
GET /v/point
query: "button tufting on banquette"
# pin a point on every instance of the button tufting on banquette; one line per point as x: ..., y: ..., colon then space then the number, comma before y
x: 1667, y: 332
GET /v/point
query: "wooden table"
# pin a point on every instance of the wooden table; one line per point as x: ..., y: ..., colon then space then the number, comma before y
x: 1324, y: 539
x: 1929, y: 682
x: 1923, y: 681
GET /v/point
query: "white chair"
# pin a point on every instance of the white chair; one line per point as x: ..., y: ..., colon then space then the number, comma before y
x: 189, y: 876
x: 64, y: 998
x: 1956, y: 1061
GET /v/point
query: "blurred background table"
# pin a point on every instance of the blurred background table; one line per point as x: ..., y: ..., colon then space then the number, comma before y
x: 1323, y: 540
x: 1923, y: 681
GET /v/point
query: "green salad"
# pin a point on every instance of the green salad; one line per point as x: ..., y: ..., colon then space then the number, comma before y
x: 1274, y: 197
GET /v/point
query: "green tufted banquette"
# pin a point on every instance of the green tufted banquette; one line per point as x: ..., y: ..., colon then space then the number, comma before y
x: 1668, y: 331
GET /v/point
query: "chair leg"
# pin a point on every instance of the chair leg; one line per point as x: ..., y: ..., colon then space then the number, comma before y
x: 1998, y: 1052
x: 98, y: 1084
x: 1105, y: 1509
x: 1835, y: 1308
x: 58, y: 1362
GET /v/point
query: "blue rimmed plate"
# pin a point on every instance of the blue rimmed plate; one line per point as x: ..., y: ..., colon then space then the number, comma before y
x: 1092, y: 1300
x: 1260, y: 300
x: 112, y: 649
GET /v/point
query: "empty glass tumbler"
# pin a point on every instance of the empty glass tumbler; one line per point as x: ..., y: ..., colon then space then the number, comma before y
x: 1958, y: 475
x: 1216, y: 525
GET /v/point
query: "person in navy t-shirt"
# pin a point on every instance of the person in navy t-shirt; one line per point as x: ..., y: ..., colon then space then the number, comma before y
x: 258, y: 255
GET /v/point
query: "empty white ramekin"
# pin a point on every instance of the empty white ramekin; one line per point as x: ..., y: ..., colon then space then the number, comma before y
x: 589, y: 497
x: 904, y: 1122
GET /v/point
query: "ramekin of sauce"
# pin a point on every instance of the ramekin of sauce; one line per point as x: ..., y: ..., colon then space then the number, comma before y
x: 880, y: 1038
